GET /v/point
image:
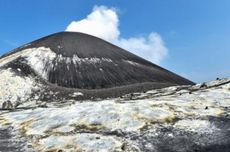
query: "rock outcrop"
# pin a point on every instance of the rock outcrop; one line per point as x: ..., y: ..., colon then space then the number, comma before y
x: 179, y: 118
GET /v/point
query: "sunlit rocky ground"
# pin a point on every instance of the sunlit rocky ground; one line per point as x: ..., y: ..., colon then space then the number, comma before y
x: 174, y: 119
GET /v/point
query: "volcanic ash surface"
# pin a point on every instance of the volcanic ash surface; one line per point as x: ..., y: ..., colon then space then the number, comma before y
x: 183, y: 118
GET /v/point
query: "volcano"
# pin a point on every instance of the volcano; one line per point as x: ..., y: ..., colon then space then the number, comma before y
x: 75, y: 92
x: 71, y: 60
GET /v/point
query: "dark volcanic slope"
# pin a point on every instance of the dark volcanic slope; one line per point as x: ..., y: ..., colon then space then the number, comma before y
x: 86, y: 62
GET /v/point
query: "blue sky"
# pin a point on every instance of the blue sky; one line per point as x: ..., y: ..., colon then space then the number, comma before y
x: 195, y: 32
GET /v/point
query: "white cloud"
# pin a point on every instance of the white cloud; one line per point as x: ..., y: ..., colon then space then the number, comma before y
x: 151, y: 48
x: 103, y: 22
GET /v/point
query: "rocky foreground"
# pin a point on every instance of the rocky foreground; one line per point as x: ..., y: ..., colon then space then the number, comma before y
x: 173, y: 119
